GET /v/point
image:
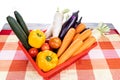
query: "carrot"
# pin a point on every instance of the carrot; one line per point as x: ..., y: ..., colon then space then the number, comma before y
x: 80, y: 28
x: 76, y: 36
x: 84, y: 35
x: 66, y: 41
x: 86, y: 44
x: 75, y: 45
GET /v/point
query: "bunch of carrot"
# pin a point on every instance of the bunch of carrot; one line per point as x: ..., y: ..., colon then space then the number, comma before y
x: 75, y: 41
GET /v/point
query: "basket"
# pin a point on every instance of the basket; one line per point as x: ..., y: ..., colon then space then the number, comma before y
x: 58, y: 68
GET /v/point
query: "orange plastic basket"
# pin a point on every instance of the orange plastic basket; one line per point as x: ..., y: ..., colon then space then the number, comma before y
x: 58, y: 68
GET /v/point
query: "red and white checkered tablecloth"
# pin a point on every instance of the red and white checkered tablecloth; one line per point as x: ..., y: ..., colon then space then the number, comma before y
x: 101, y: 63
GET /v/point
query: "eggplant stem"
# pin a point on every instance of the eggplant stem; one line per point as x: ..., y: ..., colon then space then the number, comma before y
x: 80, y: 20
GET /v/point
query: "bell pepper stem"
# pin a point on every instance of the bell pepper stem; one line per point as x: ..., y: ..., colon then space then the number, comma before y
x: 48, y: 58
x: 38, y: 34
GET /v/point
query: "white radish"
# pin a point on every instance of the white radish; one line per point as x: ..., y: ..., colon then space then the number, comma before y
x: 48, y: 33
x: 55, y: 28
x: 96, y: 33
x: 100, y: 30
x: 57, y: 23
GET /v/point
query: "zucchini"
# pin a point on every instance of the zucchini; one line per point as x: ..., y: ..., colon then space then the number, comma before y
x: 18, y: 31
x: 21, y: 22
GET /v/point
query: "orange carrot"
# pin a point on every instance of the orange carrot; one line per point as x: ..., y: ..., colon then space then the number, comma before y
x: 76, y: 36
x: 66, y: 41
x: 86, y: 44
x: 80, y: 28
x: 75, y: 45
x: 84, y: 35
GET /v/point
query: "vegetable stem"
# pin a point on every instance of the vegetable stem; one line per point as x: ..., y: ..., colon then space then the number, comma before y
x: 38, y: 34
x: 103, y: 28
x: 65, y: 11
x: 48, y: 58
x: 57, y: 10
x: 100, y: 30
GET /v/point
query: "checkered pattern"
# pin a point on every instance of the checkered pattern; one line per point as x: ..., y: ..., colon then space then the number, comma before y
x: 101, y: 63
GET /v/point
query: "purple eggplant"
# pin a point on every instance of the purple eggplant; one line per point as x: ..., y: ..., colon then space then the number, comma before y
x: 71, y: 22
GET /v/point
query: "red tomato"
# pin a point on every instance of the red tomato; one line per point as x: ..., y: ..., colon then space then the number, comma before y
x: 55, y: 42
x: 45, y: 46
x: 33, y: 52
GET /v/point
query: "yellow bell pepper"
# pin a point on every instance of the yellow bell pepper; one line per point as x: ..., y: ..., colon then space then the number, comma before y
x: 46, y: 60
x: 36, y: 38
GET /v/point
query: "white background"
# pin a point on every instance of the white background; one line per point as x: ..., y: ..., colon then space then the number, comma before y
x: 42, y: 11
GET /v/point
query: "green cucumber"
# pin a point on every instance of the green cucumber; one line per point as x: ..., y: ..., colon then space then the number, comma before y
x: 18, y: 31
x: 21, y: 22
